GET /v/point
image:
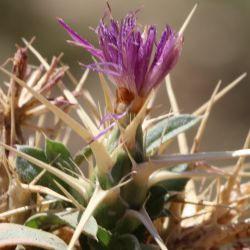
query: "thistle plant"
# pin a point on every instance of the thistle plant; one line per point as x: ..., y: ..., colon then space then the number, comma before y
x: 122, y: 190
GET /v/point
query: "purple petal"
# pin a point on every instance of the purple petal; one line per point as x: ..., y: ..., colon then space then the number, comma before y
x: 112, y: 116
x: 128, y: 25
x: 144, y: 55
x: 96, y: 68
x: 125, y: 54
x: 106, y: 64
x: 164, y: 37
x: 81, y: 41
x: 128, y: 44
x: 103, y: 132
x: 114, y: 27
x: 167, y: 57
x: 108, y: 42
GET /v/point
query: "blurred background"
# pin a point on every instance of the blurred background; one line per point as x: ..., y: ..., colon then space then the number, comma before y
x: 216, y: 47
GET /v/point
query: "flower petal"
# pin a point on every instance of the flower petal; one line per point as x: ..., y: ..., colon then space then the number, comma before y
x: 168, y: 52
x: 125, y: 53
x: 112, y: 116
x: 144, y: 55
x: 96, y: 67
x: 102, y: 133
x: 108, y: 42
x: 81, y: 41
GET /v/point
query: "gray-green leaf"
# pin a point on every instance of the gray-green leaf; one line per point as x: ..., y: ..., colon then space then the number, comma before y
x: 167, y: 129
x: 46, y: 220
x: 13, y: 234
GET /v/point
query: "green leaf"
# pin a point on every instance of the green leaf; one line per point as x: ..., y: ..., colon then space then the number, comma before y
x: 72, y: 219
x: 109, y: 212
x: 113, y: 139
x: 13, y: 234
x: 58, y: 156
x: 159, y: 193
x: 27, y: 170
x: 177, y: 184
x: 122, y: 166
x: 54, y: 149
x: 127, y: 225
x: 139, y: 154
x: 156, y: 201
x: 46, y: 220
x: 125, y: 242
x: 104, y: 236
x: 82, y: 155
x: 167, y: 129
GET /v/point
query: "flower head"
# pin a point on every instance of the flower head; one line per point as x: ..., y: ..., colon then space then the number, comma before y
x: 132, y: 59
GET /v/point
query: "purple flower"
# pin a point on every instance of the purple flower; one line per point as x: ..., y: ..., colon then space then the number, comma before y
x: 133, y: 60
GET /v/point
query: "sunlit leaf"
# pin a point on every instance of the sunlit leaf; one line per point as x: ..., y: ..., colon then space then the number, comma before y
x: 13, y: 234
x: 46, y: 220
x: 167, y: 129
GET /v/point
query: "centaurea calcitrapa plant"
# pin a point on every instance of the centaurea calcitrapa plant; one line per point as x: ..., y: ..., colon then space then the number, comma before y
x: 122, y: 190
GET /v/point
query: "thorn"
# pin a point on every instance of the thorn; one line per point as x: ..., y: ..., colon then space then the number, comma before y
x: 184, y: 26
